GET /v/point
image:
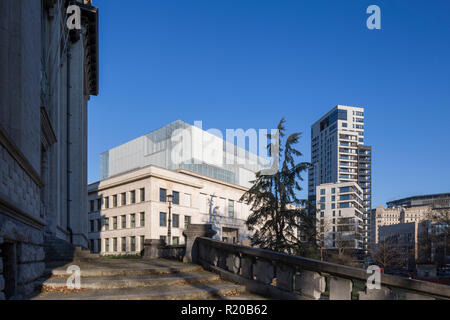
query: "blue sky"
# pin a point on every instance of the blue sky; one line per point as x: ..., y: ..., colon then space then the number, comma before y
x: 247, y: 63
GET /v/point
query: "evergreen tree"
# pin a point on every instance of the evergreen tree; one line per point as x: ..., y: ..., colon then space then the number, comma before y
x: 278, y: 216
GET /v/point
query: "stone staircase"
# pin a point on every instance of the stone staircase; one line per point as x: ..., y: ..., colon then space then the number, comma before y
x: 58, y: 250
x: 137, y: 279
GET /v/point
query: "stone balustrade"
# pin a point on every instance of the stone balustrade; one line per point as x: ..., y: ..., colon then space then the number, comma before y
x: 283, y: 276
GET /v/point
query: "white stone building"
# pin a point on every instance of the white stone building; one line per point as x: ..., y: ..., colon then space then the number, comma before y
x: 128, y: 208
x: 340, y: 215
x: 47, y: 74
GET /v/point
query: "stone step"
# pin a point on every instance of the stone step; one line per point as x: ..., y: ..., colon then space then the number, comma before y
x: 105, y: 272
x: 209, y: 290
x: 116, y: 282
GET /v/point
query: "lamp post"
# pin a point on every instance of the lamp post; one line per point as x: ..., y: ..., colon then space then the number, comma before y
x: 169, y: 231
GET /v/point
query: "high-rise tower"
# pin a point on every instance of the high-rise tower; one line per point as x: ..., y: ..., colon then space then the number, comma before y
x: 338, y: 155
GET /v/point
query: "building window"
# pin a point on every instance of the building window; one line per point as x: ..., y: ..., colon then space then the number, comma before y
x: 92, y: 225
x: 322, y: 191
x: 114, y: 223
x: 188, y: 199
x: 115, y: 200
x: 133, y: 196
x: 163, y: 239
x: 106, y: 202
x: 99, y: 204
x: 187, y: 221
x: 175, y: 197
x: 162, y: 195
x: 322, y: 199
x: 162, y: 219
x: 124, y: 222
x: 133, y: 244
x: 115, y: 244
x: 333, y: 198
x: 322, y: 206
x: 99, y: 245
x: 99, y: 224
x: 333, y: 206
x: 142, y: 194
x: 106, y: 223
x: 133, y: 220
x: 92, y: 245
x: 92, y: 205
x: 106, y: 245
x: 231, y: 208
x: 176, y: 221
x: 124, y: 199
x: 142, y: 219
x: 124, y: 244
x: 142, y: 242
x: 333, y: 190
x: 175, y: 240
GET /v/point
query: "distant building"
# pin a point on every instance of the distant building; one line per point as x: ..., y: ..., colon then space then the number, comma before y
x: 338, y: 154
x: 439, y: 200
x: 128, y: 208
x: 340, y: 215
x: 399, y: 215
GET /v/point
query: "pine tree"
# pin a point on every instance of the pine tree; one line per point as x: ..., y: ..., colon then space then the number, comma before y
x: 277, y: 214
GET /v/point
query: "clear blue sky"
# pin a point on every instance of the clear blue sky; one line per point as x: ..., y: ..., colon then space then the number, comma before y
x: 245, y: 64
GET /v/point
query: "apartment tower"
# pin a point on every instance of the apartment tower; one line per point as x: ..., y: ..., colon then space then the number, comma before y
x: 338, y: 155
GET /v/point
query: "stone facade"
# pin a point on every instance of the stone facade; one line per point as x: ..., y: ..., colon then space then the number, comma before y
x: 201, y: 200
x: 44, y: 88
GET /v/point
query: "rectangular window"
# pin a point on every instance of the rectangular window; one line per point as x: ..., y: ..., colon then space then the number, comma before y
x: 124, y: 244
x: 175, y: 240
x: 92, y: 205
x: 114, y: 223
x: 124, y: 222
x: 106, y: 245
x: 176, y: 221
x: 162, y: 219
x: 333, y: 206
x: 133, y: 220
x: 115, y: 244
x: 99, y: 224
x: 322, y: 199
x: 188, y: 199
x: 231, y: 208
x: 133, y: 244
x: 162, y: 238
x: 92, y: 225
x: 333, y: 198
x: 115, y: 200
x: 142, y: 219
x: 92, y: 245
x: 99, y: 245
x: 106, y: 202
x: 176, y: 197
x: 333, y: 190
x: 106, y: 223
x: 99, y: 204
x: 187, y: 221
x: 133, y: 196
x: 162, y: 195
x: 322, y: 206
x: 124, y: 199
x: 322, y: 191
x: 142, y: 238
x: 142, y: 194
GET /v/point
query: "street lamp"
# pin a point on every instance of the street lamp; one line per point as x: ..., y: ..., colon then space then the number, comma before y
x: 169, y: 231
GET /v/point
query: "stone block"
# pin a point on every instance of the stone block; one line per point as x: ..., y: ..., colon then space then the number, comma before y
x: 340, y: 289
x: 30, y: 271
x: 376, y: 294
x: 264, y: 271
x: 247, y: 267
x: 30, y: 253
x: 310, y: 284
x: 285, y: 277
x: 233, y: 263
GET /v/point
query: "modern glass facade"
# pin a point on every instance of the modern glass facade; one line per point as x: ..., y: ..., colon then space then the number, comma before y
x: 180, y: 145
